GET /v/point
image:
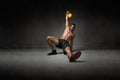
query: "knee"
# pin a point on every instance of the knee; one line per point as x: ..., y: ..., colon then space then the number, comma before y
x: 48, y: 37
x: 68, y: 50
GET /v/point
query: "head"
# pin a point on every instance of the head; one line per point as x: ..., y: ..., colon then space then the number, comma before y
x: 72, y: 26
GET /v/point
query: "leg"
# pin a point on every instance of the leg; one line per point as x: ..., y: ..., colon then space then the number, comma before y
x: 72, y: 58
x: 52, y: 41
x: 68, y: 52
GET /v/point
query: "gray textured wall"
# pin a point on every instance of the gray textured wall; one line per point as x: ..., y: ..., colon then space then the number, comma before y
x: 27, y: 23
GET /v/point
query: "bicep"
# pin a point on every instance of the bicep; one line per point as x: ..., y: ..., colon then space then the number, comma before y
x: 66, y: 22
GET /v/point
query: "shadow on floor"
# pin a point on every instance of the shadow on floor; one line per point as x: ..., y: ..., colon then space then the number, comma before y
x: 72, y: 51
x: 78, y: 61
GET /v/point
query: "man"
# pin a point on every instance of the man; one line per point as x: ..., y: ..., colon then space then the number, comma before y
x: 65, y: 42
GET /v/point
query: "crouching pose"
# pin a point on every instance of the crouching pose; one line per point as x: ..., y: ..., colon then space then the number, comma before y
x: 65, y: 42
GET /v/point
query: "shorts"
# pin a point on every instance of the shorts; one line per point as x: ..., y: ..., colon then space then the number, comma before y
x: 62, y: 43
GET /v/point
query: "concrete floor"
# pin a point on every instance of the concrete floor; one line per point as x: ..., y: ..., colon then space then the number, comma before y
x: 36, y: 65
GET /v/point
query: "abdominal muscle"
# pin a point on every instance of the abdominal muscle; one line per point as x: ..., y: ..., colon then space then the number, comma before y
x: 67, y: 35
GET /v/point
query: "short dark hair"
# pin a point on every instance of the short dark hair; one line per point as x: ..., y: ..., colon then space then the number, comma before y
x: 73, y: 24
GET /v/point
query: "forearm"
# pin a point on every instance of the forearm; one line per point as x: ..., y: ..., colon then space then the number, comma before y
x: 66, y: 18
x: 71, y: 45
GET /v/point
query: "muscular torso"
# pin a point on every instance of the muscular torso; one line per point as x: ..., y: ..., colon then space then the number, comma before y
x: 67, y: 34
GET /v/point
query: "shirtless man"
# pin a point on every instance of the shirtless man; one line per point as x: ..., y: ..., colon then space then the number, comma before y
x: 65, y: 42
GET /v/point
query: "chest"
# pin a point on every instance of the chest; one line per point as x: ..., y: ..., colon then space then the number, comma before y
x: 68, y: 33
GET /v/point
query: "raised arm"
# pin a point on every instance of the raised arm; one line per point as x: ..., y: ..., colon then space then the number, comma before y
x: 67, y: 22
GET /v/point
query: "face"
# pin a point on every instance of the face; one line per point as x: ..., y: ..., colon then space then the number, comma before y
x: 72, y: 27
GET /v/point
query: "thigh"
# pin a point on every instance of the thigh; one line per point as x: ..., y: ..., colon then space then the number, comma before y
x: 53, y: 39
